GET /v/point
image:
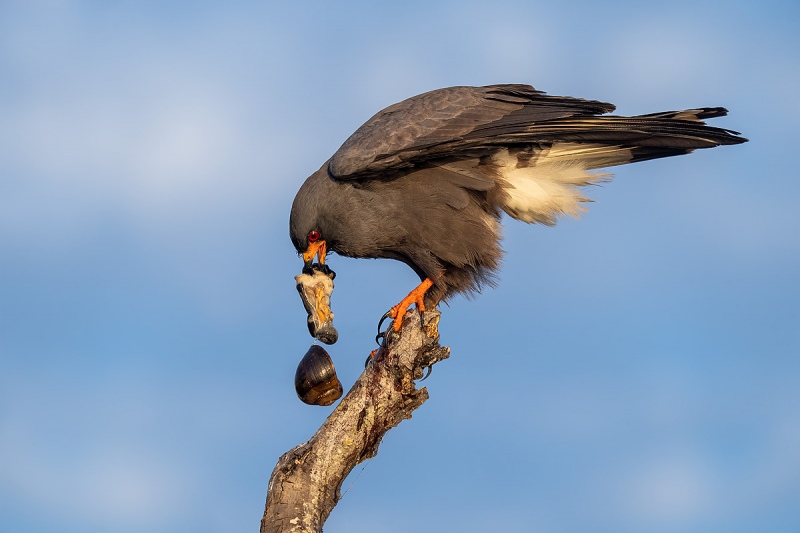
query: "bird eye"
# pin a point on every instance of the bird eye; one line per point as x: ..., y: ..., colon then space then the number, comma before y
x: 313, y: 236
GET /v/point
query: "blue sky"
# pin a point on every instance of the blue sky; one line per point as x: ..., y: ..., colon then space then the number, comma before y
x: 636, y: 370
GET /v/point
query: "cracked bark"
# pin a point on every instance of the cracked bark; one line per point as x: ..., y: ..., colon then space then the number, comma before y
x: 305, y: 485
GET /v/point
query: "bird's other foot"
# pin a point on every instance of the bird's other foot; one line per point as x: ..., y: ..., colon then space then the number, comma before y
x: 428, y: 371
x: 370, y: 357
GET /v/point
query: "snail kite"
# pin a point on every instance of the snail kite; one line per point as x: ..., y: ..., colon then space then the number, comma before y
x: 426, y: 180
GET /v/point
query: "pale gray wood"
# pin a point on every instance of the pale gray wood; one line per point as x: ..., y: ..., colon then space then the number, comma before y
x: 305, y: 485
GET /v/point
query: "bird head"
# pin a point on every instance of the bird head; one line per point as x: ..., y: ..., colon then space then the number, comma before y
x: 306, y: 225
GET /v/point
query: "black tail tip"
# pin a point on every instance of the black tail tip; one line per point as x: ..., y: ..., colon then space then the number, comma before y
x: 711, y: 112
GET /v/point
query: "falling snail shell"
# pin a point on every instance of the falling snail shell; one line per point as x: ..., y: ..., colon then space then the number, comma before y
x: 315, y: 380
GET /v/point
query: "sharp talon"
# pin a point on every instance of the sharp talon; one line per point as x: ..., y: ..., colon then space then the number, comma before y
x: 380, y: 338
x: 387, y: 314
x: 430, y: 371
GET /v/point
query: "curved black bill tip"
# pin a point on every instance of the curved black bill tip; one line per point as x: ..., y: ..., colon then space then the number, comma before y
x: 325, y: 269
x: 310, y: 269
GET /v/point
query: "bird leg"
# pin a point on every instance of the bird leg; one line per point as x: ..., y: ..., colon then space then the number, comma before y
x: 414, y: 297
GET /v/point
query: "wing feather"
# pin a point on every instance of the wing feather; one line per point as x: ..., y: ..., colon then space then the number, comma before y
x: 468, y: 122
x: 447, y: 122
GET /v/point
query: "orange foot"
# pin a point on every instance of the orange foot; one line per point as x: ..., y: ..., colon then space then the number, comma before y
x: 414, y: 297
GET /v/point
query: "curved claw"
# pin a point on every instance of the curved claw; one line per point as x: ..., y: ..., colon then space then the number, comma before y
x: 430, y: 371
x: 387, y: 314
x: 380, y: 338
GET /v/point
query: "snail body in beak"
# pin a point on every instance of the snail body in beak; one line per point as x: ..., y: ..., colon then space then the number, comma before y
x: 315, y: 286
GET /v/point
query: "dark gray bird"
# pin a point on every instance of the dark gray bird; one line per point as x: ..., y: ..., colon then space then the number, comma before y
x: 425, y: 181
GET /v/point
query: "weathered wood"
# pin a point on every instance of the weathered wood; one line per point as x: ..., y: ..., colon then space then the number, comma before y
x: 305, y: 485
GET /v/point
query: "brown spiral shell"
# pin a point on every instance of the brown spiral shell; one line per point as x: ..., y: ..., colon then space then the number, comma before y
x: 315, y: 380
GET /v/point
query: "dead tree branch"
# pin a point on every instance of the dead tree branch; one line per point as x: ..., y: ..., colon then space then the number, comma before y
x: 305, y: 485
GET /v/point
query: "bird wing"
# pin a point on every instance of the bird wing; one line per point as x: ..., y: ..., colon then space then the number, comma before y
x: 457, y: 121
x: 467, y: 122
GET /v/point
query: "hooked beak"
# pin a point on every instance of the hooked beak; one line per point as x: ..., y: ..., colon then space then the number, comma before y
x: 315, y: 249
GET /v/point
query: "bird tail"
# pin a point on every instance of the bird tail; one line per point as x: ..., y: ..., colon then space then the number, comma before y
x: 646, y: 136
x: 543, y: 167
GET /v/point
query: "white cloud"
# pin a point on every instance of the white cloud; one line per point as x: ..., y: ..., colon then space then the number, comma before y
x: 668, y: 490
x: 129, y: 126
